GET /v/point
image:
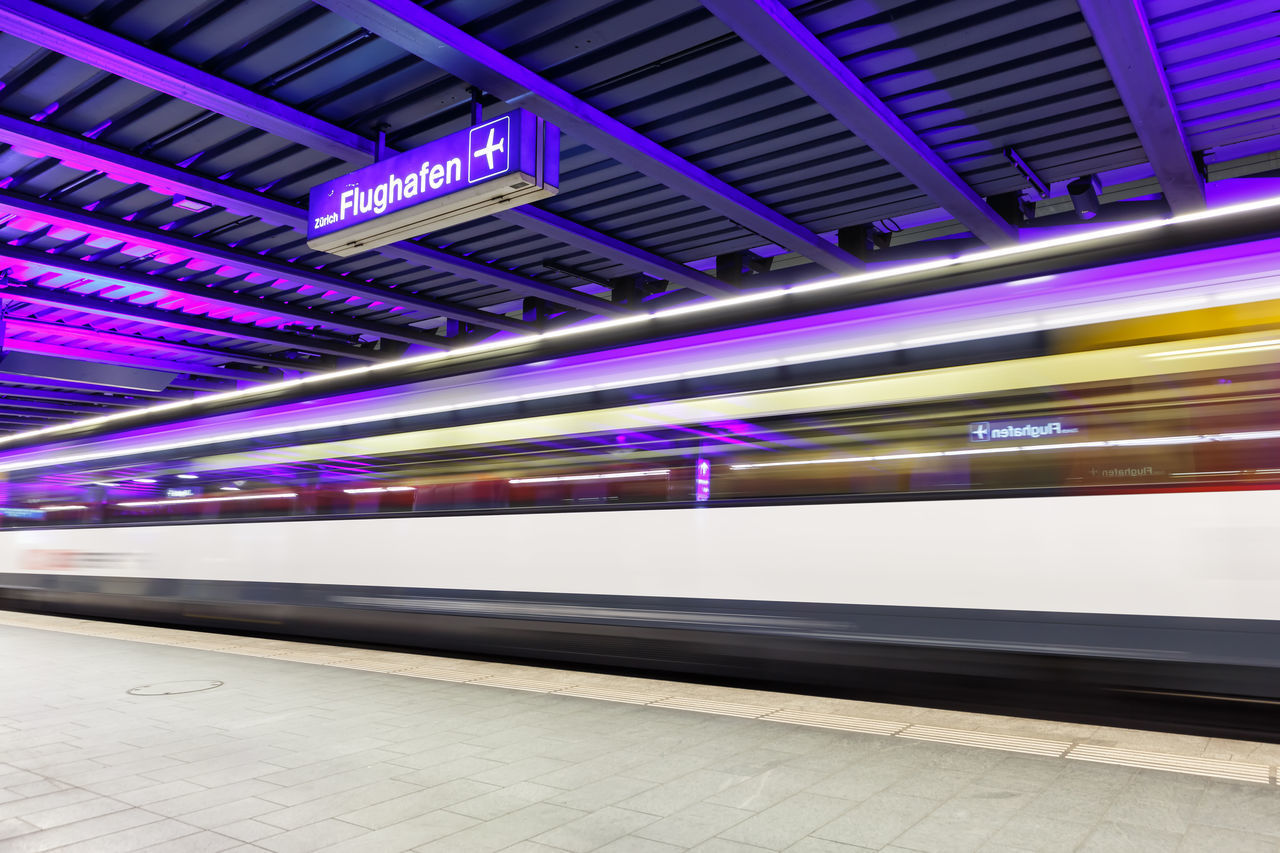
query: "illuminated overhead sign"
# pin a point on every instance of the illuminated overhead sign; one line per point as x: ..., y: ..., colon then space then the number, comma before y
x: 184, y: 492
x: 702, y: 481
x: 512, y: 160
x: 1032, y: 428
x: 21, y: 512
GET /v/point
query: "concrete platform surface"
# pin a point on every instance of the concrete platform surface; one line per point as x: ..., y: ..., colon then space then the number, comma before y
x: 284, y: 747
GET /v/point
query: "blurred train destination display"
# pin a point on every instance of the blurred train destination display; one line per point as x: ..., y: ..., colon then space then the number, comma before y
x: 503, y: 163
x: 1036, y: 428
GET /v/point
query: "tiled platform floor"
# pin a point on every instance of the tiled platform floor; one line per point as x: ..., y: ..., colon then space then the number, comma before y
x: 292, y: 756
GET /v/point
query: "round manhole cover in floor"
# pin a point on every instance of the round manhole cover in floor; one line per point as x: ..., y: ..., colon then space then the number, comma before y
x: 168, y: 688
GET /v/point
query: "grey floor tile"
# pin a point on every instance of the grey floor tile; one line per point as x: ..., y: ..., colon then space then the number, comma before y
x: 1248, y: 808
x: 211, y: 797
x: 632, y: 844
x: 217, y: 816
x: 822, y: 845
x: 1043, y: 833
x: 531, y: 847
x: 665, y: 768
x: 669, y: 797
x: 83, y: 810
x: 693, y: 825
x: 783, y: 824
x: 1202, y: 839
x: 311, y: 837
x: 955, y: 832
x: 150, y: 791
x: 249, y: 831
x: 496, y: 803
x: 519, y: 771
x: 1139, y: 808
x: 1112, y: 837
x: 768, y: 788
x: 414, y: 805
x: 138, y: 838
x: 466, y: 767
x: 83, y: 830
x: 724, y: 845
x: 504, y: 831
x: 199, y: 842
x: 45, y: 802
x: 592, y: 831
x: 406, y: 835
x: 292, y: 757
x: 342, y: 802
x: 12, y: 826
x: 37, y: 788
x: 606, y: 792
x: 877, y: 820
x: 937, y: 784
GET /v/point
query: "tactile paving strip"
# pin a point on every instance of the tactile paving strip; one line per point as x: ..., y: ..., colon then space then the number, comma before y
x: 1238, y: 770
x: 409, y: 665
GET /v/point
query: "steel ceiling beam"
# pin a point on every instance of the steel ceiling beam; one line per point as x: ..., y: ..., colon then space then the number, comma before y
x: 53, y: 30
x: 1124, y: 38
x: 23, y: 379
x: 109, y: 357
x: 107, y: 226
x: 43, y: 327
x: 571, y: 233
x: 404, y: 23
x: 121, y: 398
x: 25, y: 420
x: 35, y: 295
x: 778, y: 36
x: 44, y: 405
x: 69, y: 36
x: 170, y: 180
x: 224, y: 298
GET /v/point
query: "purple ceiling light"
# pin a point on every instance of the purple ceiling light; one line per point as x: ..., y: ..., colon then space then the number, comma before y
x: 69, y: 36
x: 233, y: 263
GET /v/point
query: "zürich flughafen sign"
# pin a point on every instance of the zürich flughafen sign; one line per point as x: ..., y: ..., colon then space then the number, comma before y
x: 505, y: 162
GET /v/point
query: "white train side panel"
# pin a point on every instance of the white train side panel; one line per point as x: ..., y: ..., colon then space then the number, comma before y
x: 1205, y: 554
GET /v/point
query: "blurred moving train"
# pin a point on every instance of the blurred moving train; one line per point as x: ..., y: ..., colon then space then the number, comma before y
x: 1094, y: 502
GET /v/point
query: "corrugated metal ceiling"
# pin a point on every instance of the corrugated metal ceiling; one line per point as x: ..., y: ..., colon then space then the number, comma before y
x: 970, y: 79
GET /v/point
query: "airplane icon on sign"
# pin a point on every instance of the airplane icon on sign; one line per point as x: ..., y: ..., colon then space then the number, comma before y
x: 491, y: 147
x: 979, y: 431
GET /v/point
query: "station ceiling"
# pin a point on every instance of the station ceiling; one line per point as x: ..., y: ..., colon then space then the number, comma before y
x: 155, y: 159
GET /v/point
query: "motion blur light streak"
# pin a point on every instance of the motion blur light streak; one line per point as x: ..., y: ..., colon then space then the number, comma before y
x: 375, y: 489
x: 1090, y: 236
x: 210, y: 500
x: 1256, y: 346
x: 62, y: 507
x: 1120, y: 442
x: 198, y: 435
x: 617, y: 475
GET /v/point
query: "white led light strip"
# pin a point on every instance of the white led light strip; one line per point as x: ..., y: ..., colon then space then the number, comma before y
x: 375, y: 489
x: 1123, y: 442
x: 615, y: 475
x: 1254, y: 346
x: 209, y: 500
x: 714, y: 304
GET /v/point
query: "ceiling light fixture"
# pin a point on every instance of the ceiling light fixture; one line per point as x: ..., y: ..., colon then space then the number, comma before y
x: 860, y: 278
